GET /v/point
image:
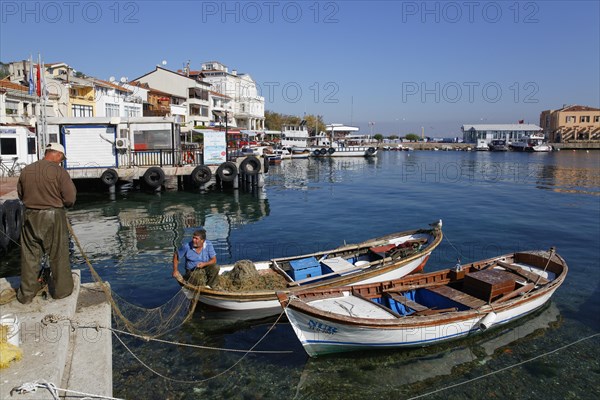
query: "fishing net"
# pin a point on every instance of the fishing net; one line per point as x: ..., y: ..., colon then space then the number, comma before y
x: 150, y: 323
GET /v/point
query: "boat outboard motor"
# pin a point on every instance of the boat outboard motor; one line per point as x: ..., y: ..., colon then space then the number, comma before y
x: 487, y: 321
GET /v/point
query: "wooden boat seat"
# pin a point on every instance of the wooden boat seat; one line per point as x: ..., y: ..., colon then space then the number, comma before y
x: 531, y: 276
x: 457, y: 296
x: 396, y: 296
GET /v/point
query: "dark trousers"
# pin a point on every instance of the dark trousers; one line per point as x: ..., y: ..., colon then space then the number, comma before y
x: 45, y: 231
x: 203, y: 276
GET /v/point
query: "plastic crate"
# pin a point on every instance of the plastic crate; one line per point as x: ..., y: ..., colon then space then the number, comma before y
x: 305, y: 268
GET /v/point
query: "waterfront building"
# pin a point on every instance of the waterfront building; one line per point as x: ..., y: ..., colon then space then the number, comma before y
x: 248, y: 107
x: 571, y: 123
x: 488, y: 132
x: 193, y: 90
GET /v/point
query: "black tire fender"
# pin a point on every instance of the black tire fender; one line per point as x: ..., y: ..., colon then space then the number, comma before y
x: 317, y: 152
x: 331, y: 150
x: 250, y: 166
x: 227, y: 171
x: 201, y: 175
x: 323, y: 151
x: 109, y: 177
x: 154, y: 177
x: 4, y: 238
x: 370, y: 151
x: 265, y: 164
x: 14, y: 219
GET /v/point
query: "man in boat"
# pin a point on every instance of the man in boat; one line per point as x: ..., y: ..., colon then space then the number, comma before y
x: 45, y: 188
x: 200, y: 261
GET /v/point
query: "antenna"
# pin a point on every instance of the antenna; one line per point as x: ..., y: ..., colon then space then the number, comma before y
x: 164, y: 62
x: 123, y: 79
x: 111, y: 79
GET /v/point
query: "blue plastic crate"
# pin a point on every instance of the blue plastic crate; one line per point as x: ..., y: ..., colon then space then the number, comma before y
x: 305, y: 268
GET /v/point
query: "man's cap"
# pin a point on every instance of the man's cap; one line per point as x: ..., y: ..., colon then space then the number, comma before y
x: 56, y: 147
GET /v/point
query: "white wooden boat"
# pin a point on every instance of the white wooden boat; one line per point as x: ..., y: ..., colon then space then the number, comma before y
x: 388, y: 257
x: 424, y: 309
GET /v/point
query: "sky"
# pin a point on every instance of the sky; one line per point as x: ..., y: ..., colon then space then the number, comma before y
x: 389, y: 67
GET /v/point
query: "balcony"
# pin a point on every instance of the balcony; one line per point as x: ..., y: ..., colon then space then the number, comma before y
x: 156, y: 113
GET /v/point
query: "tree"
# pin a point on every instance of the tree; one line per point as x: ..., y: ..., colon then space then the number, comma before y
x: 393, y: 137
x: 3, y: 70
x: 378, y: 137
x: 275, y: 121
x: 412, y: 137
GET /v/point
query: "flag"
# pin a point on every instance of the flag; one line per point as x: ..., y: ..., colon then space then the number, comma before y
x: 521, y: 121
x: 31, y: 80
x: 39, y: 83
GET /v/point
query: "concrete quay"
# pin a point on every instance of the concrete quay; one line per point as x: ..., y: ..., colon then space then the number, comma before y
x: 77, y: 359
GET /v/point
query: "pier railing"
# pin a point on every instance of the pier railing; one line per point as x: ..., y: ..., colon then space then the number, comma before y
x: 162, y: 157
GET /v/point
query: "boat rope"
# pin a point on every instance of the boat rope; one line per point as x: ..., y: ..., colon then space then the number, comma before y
x: 31, y: 387
x: 251, y: 350
x: 53, y: 319
x: 505, y: 368
x: 453, y: 246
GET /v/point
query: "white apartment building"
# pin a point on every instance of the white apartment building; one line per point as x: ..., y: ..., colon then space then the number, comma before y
x: 248, y: 106
x: 113, y: 100
x: 193, y: 90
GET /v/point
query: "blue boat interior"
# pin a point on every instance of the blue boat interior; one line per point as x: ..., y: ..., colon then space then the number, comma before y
x: 419, y: 297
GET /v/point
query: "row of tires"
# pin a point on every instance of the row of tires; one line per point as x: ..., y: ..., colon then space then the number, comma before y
x: 323, y: 151
x: 154, y: 177
x: 11, y: 220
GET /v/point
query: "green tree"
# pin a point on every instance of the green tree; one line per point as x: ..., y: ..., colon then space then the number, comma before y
x: 274, y: 121
x: 412, y: 137
x: 393, y: 137
x: 378, y: 137
x: 3, y: 70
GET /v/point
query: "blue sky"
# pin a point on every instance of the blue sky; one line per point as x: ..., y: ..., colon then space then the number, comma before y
x: 403, y: 65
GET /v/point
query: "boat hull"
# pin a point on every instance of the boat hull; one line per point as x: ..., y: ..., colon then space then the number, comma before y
x: 319, y: 336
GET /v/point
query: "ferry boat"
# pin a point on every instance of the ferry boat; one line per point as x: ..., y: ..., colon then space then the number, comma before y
x: 342, y: 141
x: 531, y: 143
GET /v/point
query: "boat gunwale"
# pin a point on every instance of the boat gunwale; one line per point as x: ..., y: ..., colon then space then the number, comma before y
x: 262, y: 295
x: 420, y: 321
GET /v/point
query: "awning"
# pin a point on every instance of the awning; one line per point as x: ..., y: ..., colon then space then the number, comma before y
x: 219, y: 113
x: 249, y: 133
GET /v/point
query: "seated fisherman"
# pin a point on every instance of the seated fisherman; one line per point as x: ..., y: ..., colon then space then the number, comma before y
x: 200, y: 261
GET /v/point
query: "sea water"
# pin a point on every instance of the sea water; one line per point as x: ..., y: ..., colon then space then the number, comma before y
x: 490, y: 204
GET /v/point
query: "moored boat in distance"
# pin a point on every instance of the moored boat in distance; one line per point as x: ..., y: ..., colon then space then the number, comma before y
x: 532, y: 143
x: 342, y: 141
x: 424, y: 309
x: 498, y: 145
x: 389, y: 257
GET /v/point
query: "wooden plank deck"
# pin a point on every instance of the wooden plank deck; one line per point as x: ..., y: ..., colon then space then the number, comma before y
x: 531, y: 276
x: 458, y: 296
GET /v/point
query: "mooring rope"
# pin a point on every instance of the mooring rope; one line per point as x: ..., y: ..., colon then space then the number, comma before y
x: 503, y: 369
x: 31, y: 387
x: 251, y: 350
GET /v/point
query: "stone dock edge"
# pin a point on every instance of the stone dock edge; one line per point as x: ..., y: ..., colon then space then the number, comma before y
x: 77, y: 359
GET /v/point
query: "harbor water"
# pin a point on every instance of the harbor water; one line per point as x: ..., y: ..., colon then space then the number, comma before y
x: 490, y: 204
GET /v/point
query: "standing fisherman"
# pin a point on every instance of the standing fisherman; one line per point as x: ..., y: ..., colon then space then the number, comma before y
x: 45, y: 188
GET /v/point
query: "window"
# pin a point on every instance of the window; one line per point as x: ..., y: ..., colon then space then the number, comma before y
x: 12, y: 107
x: 8, y: 146
x: 194, y: 110
x: 112, y: 110
x: 80, y: 110
x: 204, y: 111
x: 571, y: 118
x: 31, y: 145
x: 596, y: 118
x: 131, y: 111
x: 584, y: 118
